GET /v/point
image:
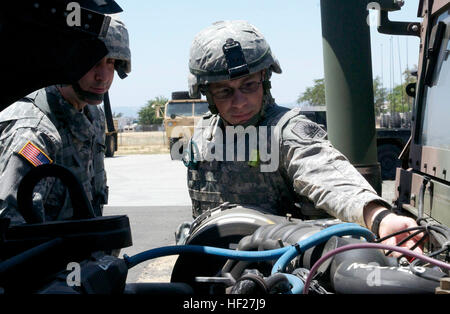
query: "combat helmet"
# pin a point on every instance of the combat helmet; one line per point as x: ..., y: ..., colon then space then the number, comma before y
x: 117, y: 43
x: 228, y: 50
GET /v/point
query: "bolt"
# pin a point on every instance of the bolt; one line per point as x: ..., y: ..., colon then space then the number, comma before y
x: 403, y: 262
x: 400, y: 3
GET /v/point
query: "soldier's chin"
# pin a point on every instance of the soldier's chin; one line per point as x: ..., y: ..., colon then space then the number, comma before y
x: 242, y: 120
x: 94, y: 102
x: 93, y: 98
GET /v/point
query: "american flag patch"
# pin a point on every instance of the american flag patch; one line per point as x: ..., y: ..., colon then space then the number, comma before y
x: 34, y: 155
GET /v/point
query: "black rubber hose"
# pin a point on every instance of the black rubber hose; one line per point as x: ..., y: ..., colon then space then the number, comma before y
x: 351, y: 278
x: 15, y: 263
x: 82, y: 207
x: 413, y: 269
x: 275, y: 280
x: 250, y: 284
x: 245, y: 244
x: 412, y: 235
x: 236, y: 268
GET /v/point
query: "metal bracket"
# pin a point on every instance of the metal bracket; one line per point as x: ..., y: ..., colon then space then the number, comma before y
x: 227, y: 279
x: 391, y: 27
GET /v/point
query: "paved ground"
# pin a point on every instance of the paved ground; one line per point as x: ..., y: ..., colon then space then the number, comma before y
x: 146, y: 180
x: 151, y: 190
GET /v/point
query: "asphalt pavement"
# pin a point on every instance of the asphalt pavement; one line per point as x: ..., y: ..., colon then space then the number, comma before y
x: 152, y: 191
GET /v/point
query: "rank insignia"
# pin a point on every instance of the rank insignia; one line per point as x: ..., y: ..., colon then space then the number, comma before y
x: 309, y: 130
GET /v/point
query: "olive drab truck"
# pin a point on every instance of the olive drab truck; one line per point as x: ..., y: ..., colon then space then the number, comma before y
x: 111, y: 129
x: 111, y: 139
x: 391, y: 138
x: 423, y: 180
x: 181, y: 114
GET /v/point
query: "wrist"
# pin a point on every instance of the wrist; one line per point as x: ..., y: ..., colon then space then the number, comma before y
x: 370, y: 211
x: 377, y: 220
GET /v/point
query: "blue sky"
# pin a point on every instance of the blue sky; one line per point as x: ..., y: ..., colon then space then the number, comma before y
x: 161, y: 33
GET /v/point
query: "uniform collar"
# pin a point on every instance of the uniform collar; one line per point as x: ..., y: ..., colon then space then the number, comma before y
x: 77, y: 122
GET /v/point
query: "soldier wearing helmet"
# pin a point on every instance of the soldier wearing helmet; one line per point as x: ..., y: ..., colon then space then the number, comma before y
x: 231, y: 64
x: 61, y: 124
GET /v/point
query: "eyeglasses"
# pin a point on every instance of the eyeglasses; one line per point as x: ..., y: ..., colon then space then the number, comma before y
x: 227, y: 92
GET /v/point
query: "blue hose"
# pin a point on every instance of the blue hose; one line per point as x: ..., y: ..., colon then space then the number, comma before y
x: 296, y: 283
x: 252, y: 256
x: 284, y: 255
x: 320, y: 237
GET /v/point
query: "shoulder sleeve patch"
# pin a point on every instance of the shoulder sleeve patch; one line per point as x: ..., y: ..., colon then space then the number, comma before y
x: 34, y: 155
x: 308, y: 130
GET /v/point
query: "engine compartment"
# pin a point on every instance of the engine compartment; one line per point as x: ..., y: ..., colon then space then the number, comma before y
x: 297, y: 247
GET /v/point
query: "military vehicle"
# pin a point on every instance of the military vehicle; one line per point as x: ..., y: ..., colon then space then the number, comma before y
x: 422, y: 181
x: 237, y: 250
x: 391, y: 138
x: 111, y: 129
x: 111, y: 140
x: 181, y: 114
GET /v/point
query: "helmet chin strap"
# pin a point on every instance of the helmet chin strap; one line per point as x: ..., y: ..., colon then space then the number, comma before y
x: 85, y: 95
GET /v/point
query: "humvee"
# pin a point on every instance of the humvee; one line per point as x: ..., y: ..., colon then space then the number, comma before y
x: 181, y: 114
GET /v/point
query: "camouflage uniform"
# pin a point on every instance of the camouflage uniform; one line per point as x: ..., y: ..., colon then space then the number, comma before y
x: 67, y: 137
x: 312, y: 180
x: 47, y: 124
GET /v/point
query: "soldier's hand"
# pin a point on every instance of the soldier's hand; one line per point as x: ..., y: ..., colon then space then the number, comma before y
x: 393, y: 223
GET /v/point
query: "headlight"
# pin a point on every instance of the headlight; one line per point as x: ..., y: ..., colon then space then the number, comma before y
x: 170, y: 123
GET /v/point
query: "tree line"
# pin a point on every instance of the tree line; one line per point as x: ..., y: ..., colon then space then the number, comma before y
x: 153, y: 111
x: 385, y: 100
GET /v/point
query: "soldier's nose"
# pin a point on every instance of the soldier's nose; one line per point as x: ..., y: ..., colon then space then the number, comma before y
x: 101, y: 73
x: 239, y: 100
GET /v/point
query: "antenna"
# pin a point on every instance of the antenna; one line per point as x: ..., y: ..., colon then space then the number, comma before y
x: 400, y: 70
x: 381, y: 65
x: 391, y: 74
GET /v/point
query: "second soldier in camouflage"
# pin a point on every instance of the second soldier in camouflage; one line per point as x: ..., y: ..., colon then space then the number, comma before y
x: 62, y: 125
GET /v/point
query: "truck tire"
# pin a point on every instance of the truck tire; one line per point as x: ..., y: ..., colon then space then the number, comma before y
x: 110, y: 144
x: 174, y: 155
x: 388, y: 158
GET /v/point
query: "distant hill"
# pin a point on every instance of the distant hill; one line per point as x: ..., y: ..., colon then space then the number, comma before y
x: 132, y: 112
x: 126, y: 111
x: 289, y: 105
